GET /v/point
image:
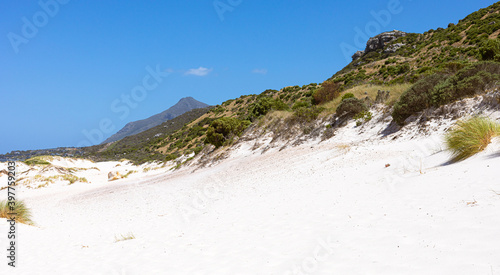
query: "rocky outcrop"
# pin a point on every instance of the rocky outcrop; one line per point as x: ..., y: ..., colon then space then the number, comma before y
x: 393, y: 47
x: 357, y: 55
x: 380, y: 42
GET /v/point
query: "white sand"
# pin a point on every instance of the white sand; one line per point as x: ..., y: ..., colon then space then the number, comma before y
x: 318, y: 208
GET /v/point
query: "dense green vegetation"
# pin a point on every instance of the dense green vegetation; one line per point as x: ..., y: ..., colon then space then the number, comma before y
x: 264, y: 105
x: 442, y: 87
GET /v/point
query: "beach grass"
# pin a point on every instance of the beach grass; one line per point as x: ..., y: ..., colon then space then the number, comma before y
x: 471, y: 136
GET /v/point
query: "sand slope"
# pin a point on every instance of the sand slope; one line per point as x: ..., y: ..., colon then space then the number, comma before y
x: 329, y: 207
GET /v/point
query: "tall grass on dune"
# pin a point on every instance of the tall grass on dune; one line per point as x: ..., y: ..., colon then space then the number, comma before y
x: 22, y: 212
x: 471, y: 136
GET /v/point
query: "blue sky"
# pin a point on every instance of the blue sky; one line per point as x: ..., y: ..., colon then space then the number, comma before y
x: 73, y: 67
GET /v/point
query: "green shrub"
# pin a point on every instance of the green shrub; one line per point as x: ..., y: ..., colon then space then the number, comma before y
x: 350, y: 107
x: 347, y: 95
x: 21, y: 212
x: 365, y: 115
x: 490, y: 50
x: 300, y: 104
x: 416, y: 98
x: 467, y: 82
x: 224, y: 129
x: 264, y: 105
x: 471, y: 136
x: 329, y: 91
x: 197, y: 149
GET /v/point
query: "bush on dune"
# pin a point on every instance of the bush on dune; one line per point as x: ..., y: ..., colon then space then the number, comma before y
x: 224, y: 129
x: 264, y: 105
x: 467, y: 82
x: 440, y: 89
x: 469, y: 137
x: 416, y: 99
x: 349, y: 107
x: 22, y: 212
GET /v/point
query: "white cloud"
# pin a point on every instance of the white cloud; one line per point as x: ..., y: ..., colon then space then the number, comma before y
x: 201, y: 71
x: 259, y: 71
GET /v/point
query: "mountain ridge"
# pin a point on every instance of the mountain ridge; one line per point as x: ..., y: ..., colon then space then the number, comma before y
x: 134, y: 127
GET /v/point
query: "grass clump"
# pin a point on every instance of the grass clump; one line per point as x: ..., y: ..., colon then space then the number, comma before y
x: 469, y: 137
x: 16, y: 210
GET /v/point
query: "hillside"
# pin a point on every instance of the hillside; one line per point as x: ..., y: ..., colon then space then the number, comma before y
x: 405, y: 73
x: 136, y: 147
x: 135, y: 127
x: 399, y: 57
x: 399, y: 72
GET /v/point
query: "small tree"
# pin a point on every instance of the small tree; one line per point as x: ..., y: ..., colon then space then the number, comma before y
x: 328, y: 91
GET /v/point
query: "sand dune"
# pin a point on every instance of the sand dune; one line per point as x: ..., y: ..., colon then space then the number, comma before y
x: 329, y: 207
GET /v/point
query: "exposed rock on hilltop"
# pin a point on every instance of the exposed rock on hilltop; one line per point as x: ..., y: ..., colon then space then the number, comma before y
x: 380, y: 41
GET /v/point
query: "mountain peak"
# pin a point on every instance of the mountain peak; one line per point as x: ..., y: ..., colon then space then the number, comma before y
x: 183, y: 105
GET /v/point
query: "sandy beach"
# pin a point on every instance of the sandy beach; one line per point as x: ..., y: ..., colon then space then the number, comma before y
x: 358, y: 203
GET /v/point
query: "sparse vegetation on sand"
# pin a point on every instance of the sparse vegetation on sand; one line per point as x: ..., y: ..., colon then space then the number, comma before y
x: 36, y: 161
x: 469, y: 137
x: 22, y: 212
x: 70, y: 178
x: 128, y: 236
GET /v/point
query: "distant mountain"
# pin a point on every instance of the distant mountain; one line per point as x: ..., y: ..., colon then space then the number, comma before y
x: 184, y: 105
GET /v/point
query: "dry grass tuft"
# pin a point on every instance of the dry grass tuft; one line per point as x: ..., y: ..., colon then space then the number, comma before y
x: 469, y: 137
x: 128, y: 236
x: 17, y: 210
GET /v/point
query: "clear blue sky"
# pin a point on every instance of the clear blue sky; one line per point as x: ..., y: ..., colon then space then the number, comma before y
x: 76, y: 59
